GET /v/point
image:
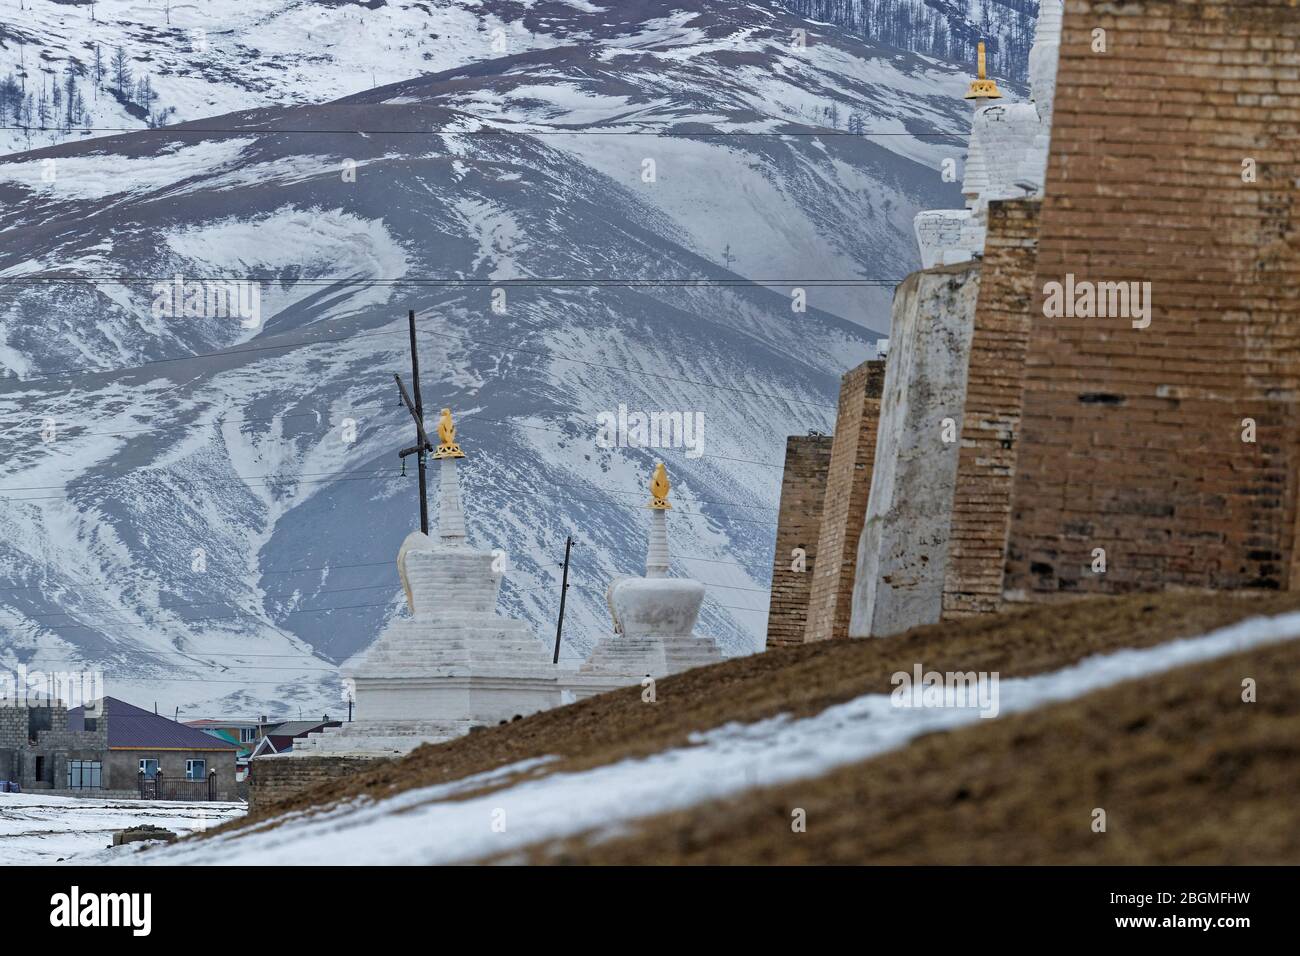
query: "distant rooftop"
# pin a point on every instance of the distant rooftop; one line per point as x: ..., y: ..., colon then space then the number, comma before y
x: 134, y: 728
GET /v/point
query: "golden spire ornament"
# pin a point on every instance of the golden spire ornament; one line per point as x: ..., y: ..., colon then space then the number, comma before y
x: 659, y: 488
x: 983, y: 88
x: 447, y: 447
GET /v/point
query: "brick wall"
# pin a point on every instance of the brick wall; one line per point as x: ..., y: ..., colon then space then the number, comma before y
x: 848, y: 481
x: 1132, y: 438
x: 990, y: 427
x: 798, y: 524
x: 274, y: 778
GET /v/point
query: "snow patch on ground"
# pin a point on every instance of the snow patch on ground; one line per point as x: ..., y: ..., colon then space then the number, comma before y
x: 36, y: 828
x: 426, y: 826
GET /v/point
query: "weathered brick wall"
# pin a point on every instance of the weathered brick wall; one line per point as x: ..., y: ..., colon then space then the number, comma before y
x: 798, y: 524
x: 848, y: 481
x: 274, y: 778
x: 990, y: 428
x: 1132, y: 437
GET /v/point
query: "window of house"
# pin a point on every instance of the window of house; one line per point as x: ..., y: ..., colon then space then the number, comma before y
x: 196, y: 769
x: 38, y: 719
x: 247, y: 735
x: 84, y: 774
x: 149, y: 767
x: 91, y: 724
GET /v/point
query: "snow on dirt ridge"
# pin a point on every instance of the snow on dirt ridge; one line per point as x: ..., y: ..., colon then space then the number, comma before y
x: 431, y: 828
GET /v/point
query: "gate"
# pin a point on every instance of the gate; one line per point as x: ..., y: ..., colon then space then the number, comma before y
x: 160, y: 787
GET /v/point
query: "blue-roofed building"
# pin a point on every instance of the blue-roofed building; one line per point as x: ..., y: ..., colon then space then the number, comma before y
x: 110, y: 746
x: 170, y: 760
x: 244, y: 734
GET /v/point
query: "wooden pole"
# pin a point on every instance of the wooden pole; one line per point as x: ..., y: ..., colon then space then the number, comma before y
x: 419, y: 416
x: 564, y: 592
x: 416, y: 408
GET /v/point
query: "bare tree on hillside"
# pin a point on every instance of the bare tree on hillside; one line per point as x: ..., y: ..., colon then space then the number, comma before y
x: 122, y: 72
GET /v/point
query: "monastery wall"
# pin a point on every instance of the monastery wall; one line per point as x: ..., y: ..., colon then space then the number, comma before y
x: 798, y: 524
x: 1174, y: 162
x: 903, y: 545
x: 990, y: 428
x: 848, y: 481
x: 276, y: 777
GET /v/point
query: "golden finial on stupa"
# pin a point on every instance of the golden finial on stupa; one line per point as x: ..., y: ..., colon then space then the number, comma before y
x: 983, y: 88
x: 659, y: 489
x: 447, y: 447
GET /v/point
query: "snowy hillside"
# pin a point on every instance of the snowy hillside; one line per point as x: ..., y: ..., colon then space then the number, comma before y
x: 948, y: 29
x: 641, y: 207
x: 205, y: 59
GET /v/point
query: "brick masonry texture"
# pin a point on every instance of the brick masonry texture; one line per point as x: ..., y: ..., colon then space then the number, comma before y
x: 803, y: 489
x: 1132, y: 438
x: 844, y: 508
x: 990, y: 428
x: 274, y: 778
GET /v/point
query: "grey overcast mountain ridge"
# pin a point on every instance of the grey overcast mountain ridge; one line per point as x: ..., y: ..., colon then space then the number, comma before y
x: 209, y: 509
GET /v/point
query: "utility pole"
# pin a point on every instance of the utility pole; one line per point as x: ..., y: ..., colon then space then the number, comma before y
x: 416, y: 408
x: 564, y: 592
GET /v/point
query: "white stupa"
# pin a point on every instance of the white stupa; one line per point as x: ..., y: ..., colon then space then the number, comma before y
x: 454, y: 662
x: 653, y: 617
x: 1007, y: 153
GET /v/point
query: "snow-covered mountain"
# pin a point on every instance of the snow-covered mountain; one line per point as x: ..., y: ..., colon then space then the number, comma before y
x: 207, y: 59
x: 948, y: 29
x: 618, y: 214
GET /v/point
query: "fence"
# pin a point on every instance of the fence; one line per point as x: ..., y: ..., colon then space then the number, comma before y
x: 160, y: 787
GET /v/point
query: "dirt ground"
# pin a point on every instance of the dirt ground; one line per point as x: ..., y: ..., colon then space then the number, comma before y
x: 1185, y: 770
x: 800, y: 680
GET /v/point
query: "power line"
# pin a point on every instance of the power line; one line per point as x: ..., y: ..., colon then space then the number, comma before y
x: 383, y: 476
x: 165, y: 131
x: 530, y: 282
x: 391, y: 562
x: 73, y: 431
x: 173, y: 607
x: 334, y: 670
x: 194, y: 356
x: 550, y: 356
x: 217, y: 617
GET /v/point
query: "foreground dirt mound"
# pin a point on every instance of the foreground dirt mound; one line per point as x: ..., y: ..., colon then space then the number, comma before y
x: 1184, y: 769
x: 800, y: 681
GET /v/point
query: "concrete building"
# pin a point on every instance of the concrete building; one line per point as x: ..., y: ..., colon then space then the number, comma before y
x: 105, y: 748
x: 244, y: 734
x: 41, y: 750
